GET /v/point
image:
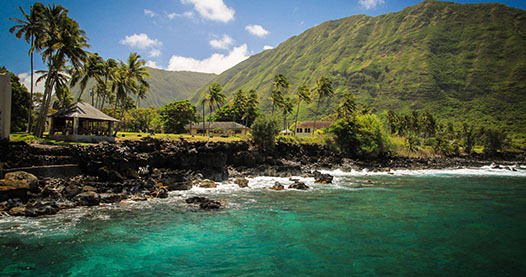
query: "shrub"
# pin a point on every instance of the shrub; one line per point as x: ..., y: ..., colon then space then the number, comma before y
x: 264, y: 131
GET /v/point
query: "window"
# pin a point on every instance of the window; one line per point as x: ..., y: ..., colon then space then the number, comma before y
x: 299, y: 130
x: 307, y: 130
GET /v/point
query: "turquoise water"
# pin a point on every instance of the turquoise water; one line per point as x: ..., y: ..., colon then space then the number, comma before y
x: 423, y: 224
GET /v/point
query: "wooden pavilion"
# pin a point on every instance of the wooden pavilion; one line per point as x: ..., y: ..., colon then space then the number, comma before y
x: 81, y: 122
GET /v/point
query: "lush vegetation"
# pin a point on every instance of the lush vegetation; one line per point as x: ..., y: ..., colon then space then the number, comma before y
x: 264, y: 132
x: 466, y: 63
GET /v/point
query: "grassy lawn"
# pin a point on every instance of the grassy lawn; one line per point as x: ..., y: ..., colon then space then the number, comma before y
x: 124, y: 136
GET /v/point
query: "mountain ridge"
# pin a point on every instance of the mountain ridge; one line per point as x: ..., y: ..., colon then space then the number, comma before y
x: 463, y: 62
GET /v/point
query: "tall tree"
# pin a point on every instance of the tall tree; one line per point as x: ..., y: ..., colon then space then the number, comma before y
x: 32, y: 29
x: 302, y: 94
x: 215, y: 98
x: 287, y: 108
x: 251, y: 111
x: 131, y: 80
x: 62, y: 42
x: 93, y: 68
x: 280, y: 87
x: 323, y: 90
x: 347, y: 107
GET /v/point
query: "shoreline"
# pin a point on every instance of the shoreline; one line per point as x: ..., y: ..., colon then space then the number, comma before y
x: 148, y: 168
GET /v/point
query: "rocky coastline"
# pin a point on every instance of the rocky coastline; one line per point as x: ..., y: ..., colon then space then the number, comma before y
x: 90, y: 175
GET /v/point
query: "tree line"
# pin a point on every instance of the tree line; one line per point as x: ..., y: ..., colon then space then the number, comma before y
x: 62, y: 46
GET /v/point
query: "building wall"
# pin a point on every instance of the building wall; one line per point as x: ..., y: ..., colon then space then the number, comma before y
x: 5, y: 105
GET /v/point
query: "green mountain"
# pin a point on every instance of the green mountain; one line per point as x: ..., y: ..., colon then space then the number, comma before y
x: 460, y: 62
x: 165, y: 86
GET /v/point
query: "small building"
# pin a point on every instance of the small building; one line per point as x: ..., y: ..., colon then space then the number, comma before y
x: 220, y: 128
x: 306, y: 128
x: 286, y: 133
x: 81, y: 122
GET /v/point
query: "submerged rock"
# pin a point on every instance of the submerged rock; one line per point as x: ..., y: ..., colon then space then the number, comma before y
x: 298, y: 185
x: 204, y: 203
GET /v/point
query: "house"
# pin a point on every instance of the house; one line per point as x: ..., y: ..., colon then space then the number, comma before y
x: 81, y: 122
x: 306, y: 128
x: 286, y: 133
x: 228, y: 128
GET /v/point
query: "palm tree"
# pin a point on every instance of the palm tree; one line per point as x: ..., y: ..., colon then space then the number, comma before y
x: 215, y: 97
x: 203, y: 102
x: 347, y: 107
x: 62, y: 42
x: 251, y: 107
x: 31, y: 28
x: 280, y: 83
x: 323, y: 89
x: 130, y: 79
x: 302, y: 94
x: 286, y: 108
x: 109, y: 72
x: 93, y: 68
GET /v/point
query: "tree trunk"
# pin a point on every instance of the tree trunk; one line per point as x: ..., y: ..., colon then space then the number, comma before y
x: 30, y: 112
x: 316, y: 116
x: 46, y: 99
x: 297, y: 113
x: 204, y: 127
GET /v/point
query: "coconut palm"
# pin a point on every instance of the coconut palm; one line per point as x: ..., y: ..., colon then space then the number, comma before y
x: 215, y: 97
x: 93, y: 68
x: 286, y: 107
x: 251, y: 109
x: 109, y: 72
x: 31, y: 28
x: 62, y: 41
x: 302, y: 94
x: 280, y: 87
x: 323, y: 90
x: 130, y: 80
x: 347, y: 107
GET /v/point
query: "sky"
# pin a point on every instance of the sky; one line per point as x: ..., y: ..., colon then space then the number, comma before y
x: 193, y: 35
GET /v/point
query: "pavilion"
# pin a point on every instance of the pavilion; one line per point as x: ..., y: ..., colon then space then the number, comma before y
x: 81, y: 122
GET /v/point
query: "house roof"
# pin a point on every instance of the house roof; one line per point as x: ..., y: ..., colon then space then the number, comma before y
x: 319, y: 124
x: 83, y: 110
x: 217, y: 125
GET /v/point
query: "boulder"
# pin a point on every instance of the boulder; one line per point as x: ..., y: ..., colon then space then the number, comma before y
x: 175, y: 180
x: 17, y: 184
x: 89, y: 198
x: 208, y: 184
x: 322, y: 178
x: 111, y: 197
x: 277, y: 186
x: 28, y: 178
x: 241, y: 182
x: 160, y: 193
x: 41, y: 208
x: 18, y: 211
x: 204, y: 203
x: 298, y: 185
x: 109, y: 175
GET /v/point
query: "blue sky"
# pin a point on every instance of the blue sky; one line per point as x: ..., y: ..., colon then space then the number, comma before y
x: 194, y: 35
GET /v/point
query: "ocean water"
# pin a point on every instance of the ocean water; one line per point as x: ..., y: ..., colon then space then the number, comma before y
x: 435, y: 222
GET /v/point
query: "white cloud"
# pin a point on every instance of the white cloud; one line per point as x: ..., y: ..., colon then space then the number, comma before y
x: 154, y: 53
x: 152, y: 64
x: 370, y: 4
x: 149, y: 13
x: 224, y: 43
x: 267, y: 47
x: 187, y: 14
x: 257, y: 30
x: 140, y: 41
x: 216, y: 63
x: 25, y: 79
x: 214, y: 10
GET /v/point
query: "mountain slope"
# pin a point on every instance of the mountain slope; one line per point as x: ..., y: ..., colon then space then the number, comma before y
x: 461, y: 62
x: 165, y: 86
